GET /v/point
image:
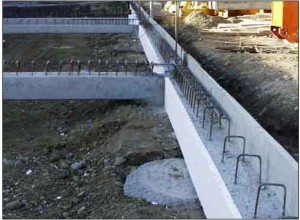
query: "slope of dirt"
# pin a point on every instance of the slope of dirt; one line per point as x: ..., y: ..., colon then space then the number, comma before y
x: 43, y: 142
x: 265, y: 84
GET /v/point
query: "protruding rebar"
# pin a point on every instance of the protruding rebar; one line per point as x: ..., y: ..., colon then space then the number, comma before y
x: 47, y: 67
x: 71, y: 66
x: 89, y: 66
x: 270, y: 184
x: 60, y: 66
x: 4, y: 65
x: 126, y: 65
x: 78, y: 67
x: 248, y: 155
x: 32, y: 66
x: 136, y: 66
x: 117, y: 67
x: 106, y: 65
x: 18, y: 65
x: 237, y: 137
x: 99, y: 69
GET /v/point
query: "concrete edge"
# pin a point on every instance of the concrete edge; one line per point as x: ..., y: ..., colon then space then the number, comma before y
x: 209, y: 185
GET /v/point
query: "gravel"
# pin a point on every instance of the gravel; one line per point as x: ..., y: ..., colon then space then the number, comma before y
x: 163, y: 182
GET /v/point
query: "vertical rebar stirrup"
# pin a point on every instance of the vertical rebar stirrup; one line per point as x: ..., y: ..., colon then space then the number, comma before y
x: 233, y: 136
x: 248, y: 155
x: 270, y: 184
x: 18, y: 65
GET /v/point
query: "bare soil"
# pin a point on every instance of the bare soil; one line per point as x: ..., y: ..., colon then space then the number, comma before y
x: 84, y: 47
x: 108, y: 138
x: 43, y: 140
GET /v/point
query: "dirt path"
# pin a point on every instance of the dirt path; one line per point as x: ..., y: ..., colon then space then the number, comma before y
x: 43, y: 140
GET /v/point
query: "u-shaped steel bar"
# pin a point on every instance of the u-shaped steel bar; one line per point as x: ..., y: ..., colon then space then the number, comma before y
x: 270, y: 184
x: 233, y: 136
x: 247, y: 155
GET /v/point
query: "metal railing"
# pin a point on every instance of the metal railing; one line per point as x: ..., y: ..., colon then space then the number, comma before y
x: 70, y: 21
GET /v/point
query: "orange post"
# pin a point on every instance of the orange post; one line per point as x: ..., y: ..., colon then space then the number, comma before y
x: 285, y: 20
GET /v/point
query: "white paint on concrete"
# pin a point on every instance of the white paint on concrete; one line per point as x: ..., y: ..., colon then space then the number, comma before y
x: 211, y: 189
x: 25, y: 87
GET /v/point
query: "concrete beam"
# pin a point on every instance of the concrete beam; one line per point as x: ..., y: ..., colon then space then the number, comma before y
x: 211, y: 189
x: 278, y: 165
x: 51, y: 87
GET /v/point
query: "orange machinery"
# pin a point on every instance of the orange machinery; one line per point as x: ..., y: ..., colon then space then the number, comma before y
x: 285, y: 20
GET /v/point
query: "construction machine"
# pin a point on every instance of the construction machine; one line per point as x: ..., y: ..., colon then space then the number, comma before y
x: 186, y: 7
x: 285, y: 20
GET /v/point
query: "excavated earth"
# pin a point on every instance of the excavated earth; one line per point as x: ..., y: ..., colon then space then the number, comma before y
x: 70, y: 159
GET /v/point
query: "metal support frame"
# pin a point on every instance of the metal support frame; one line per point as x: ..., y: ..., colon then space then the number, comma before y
x: 233, y: 136
x: 270, y: 184
x: 248, y: 155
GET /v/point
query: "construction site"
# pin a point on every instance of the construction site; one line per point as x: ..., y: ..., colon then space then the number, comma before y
x: 150, y: 109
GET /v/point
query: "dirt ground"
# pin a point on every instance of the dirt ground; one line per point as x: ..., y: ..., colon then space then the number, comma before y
x: 265, y: 84
x: 84, y: 47
x: 69, y: 159
x: 108, y: 138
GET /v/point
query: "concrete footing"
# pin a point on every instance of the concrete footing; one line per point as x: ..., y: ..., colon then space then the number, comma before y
x: 25, y: 87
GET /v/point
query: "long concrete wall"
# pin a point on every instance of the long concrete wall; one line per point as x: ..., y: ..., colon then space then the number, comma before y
x: 211, y: 189
x: 278, y: 165
x: 69, y: 25
x: 25, y: 87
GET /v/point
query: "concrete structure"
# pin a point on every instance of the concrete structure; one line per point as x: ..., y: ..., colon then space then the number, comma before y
x: 278, y: 165
x: 213, y: 190
x: 69, y: 25
x: 25, y: 86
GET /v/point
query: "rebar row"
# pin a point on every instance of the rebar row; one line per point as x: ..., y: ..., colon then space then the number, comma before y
x: 161, y: 45
x: 259, y: 159
x: 76, y: 66
x: 70, y: 21
x: 198, y: 95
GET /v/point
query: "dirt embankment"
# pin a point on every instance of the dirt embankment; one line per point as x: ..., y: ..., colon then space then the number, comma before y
x: 69, y: 159
x: 265, y: 84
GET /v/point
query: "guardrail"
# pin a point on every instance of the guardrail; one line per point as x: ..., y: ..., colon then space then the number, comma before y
x: 70, y: 21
